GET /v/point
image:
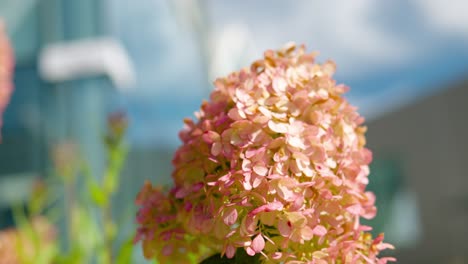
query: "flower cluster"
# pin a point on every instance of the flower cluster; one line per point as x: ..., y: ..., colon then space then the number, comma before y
x: 6, y: 71
x: 275, y: 164
x: 21, y: 245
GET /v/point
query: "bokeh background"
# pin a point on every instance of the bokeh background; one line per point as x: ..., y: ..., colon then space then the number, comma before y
x: 405, y: 61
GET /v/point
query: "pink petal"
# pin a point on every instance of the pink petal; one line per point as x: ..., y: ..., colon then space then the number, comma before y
x: 167, y: 250
x: 370, y: 213
x: 296, y: 142
x: 181, y: 193
x: 197, y: 186
x: 258, y: 244
x: 260, y: 170
x: 248, y: 225
x: 365, y: 228
x: 384, y: 246
x: 386, y: 259
x: 267, y: 208
x: 284, y: 227
x: 230, y: 251
x: 188, y: 206
x: 210, y: 137
x: 320, y: 230
x: 366, y: 155
x: 307, y: 233
x: 247, y: 185
x: 216, y: 148
x: 257, y: 181
x: 354, y: 209
x: 230, y: 216
x: 278, y: 127
x: 279, y: 84
x: 250, y: 251
x: 276, y: 255
x: 378, y: 239
x: 251, y: 152
x: 235, y: 114
x: 274, y: 206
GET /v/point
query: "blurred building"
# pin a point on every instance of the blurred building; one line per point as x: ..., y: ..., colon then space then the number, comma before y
x: 42, y: 113
x: 427, y: 141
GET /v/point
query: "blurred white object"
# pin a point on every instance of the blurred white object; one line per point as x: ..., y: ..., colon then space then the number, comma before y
x: 15, y: 188
x: 445, y: 16
x: 404, y: 228
x: 232, y: 49
x: 89, y: 57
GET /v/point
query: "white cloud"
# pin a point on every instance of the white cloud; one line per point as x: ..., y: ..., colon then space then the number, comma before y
x: 346, y: 30
x: 232, y: 46
x: 163, y: 49
x: 341, y: 30
x: 446, y: 16
x: 350, y: 32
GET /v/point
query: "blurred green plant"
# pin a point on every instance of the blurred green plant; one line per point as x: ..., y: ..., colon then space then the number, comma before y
x: 91, y: 235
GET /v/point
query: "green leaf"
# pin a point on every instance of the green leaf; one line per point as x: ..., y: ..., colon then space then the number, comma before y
x: 75, y: 256
x: 117, y: 157
x: 47, y: 254
x: 125, y: 253
x: 98, y: 195
x: 88, y: 236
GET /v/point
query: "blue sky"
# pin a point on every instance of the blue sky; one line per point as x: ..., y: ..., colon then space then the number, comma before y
x: 389, y: 52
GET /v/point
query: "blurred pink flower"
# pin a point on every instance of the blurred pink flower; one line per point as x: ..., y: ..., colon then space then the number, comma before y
x: 275, y: 164
x: 21, y: 246
x: 6, y: 70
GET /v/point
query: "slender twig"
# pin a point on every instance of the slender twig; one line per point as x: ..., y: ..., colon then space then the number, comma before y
x: 69, y: 207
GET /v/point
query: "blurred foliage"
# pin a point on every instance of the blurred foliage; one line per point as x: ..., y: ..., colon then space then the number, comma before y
x: 91, y: 235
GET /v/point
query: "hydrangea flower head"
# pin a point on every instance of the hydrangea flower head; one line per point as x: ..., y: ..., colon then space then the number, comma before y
x: 275, y: 164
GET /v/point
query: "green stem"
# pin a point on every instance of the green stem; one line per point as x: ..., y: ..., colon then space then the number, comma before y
x: 108, y: 231
x: 69, y: 204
